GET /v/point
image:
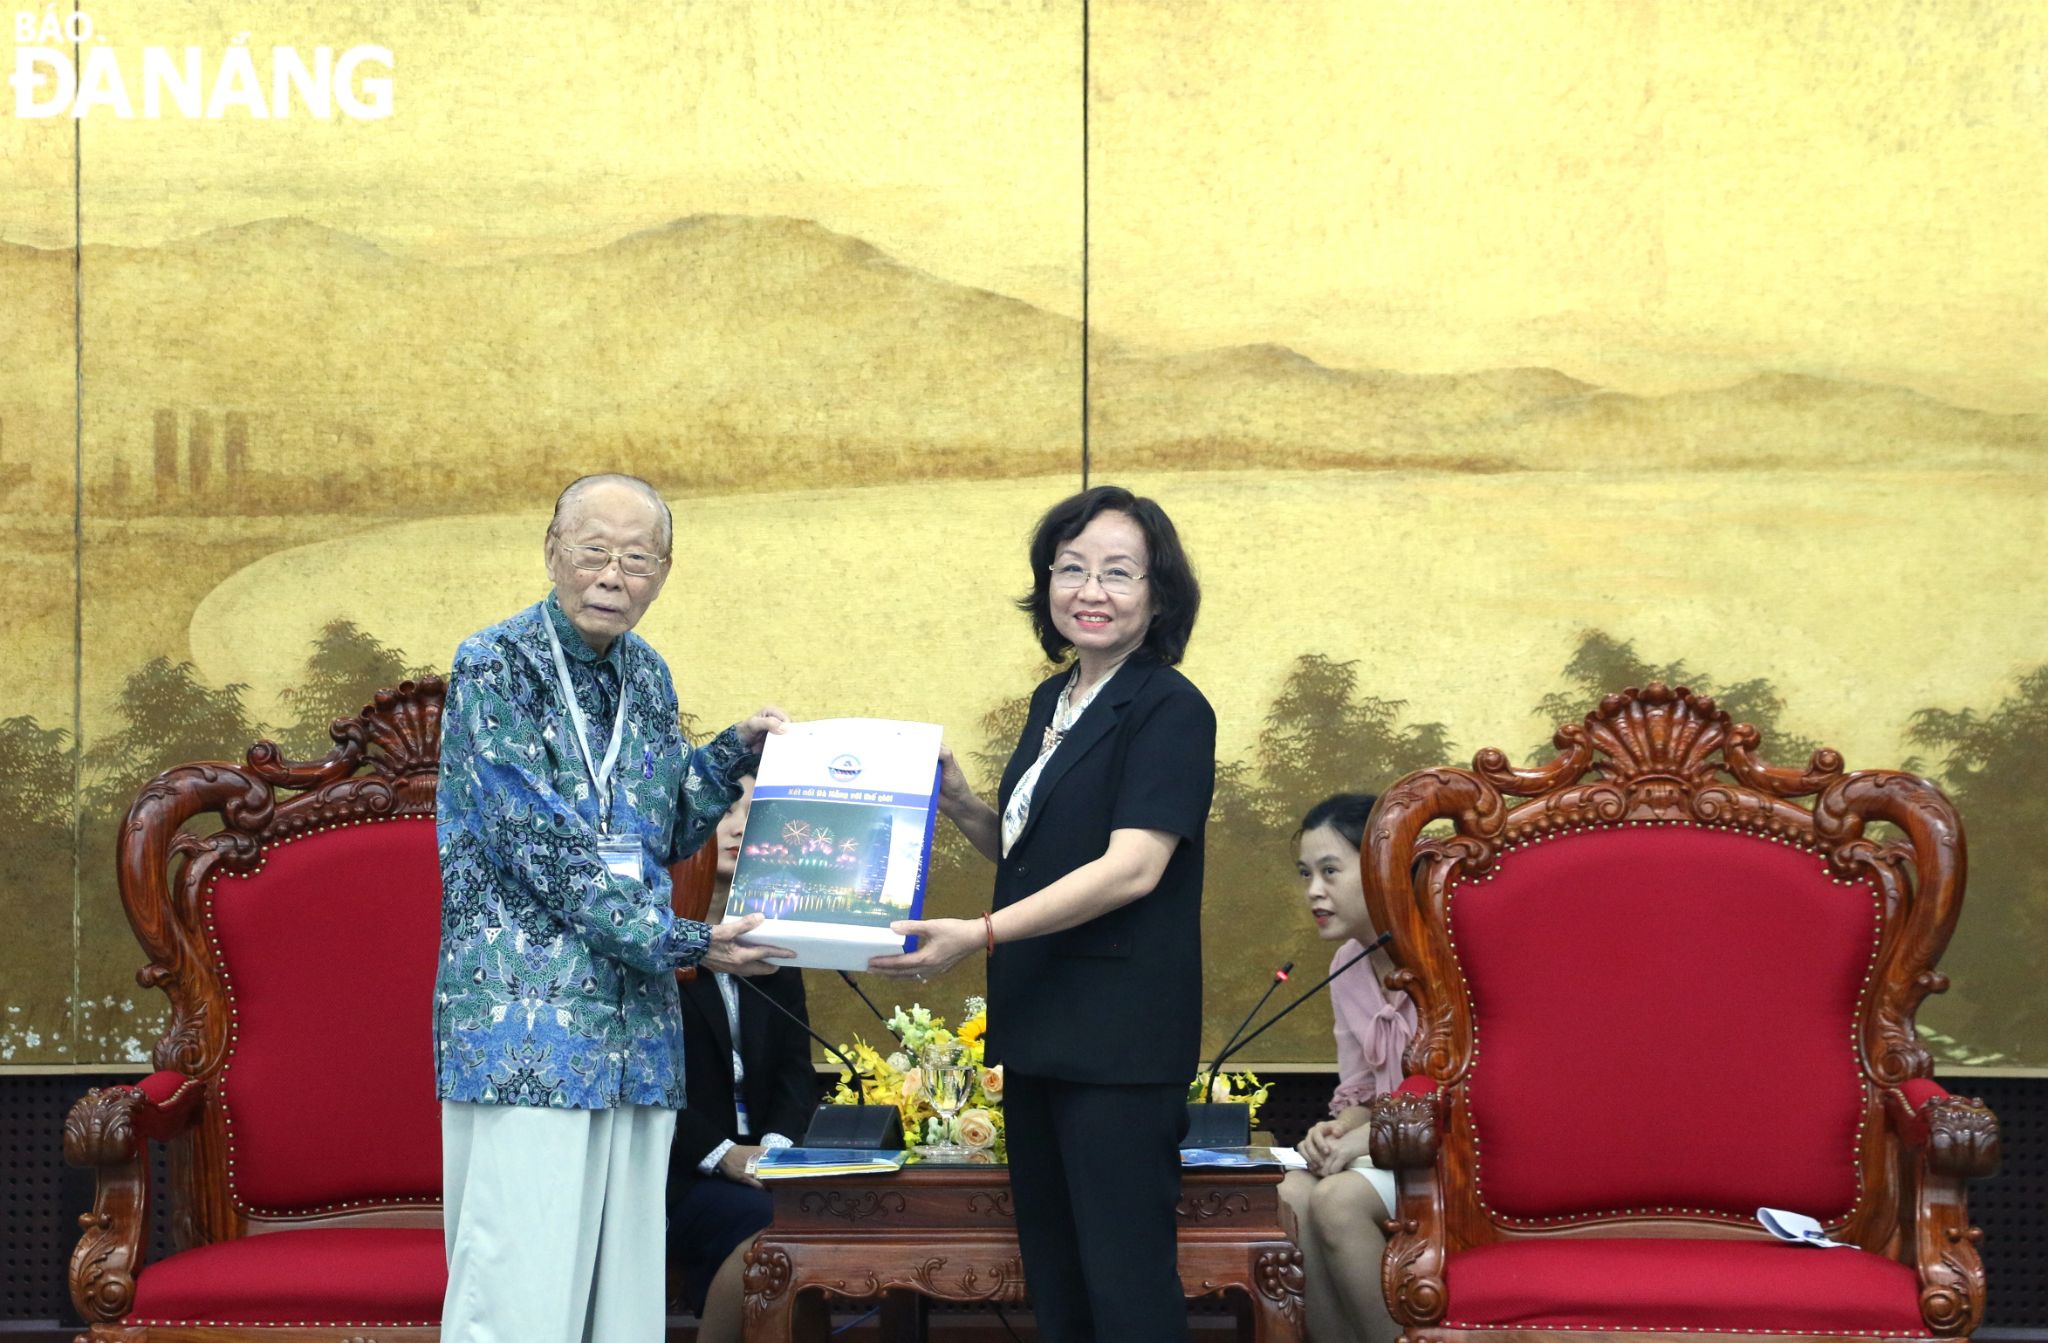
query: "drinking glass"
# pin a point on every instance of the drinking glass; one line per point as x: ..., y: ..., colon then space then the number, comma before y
x: 948, y: 1081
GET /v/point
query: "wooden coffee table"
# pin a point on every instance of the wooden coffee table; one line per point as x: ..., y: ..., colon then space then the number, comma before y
x: 947, y: 1233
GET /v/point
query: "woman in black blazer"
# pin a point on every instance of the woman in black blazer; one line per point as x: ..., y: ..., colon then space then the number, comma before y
x: 1094, y: 939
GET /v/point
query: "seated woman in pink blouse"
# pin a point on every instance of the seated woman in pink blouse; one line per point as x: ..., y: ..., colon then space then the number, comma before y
x: 1339, y: 1201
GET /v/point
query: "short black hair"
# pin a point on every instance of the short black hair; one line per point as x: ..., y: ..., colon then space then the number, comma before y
x: 1345, y: 813
x: 1176, y: 596
x: 747, y: 766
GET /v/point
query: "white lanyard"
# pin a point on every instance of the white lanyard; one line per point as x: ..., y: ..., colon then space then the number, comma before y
x: 600, y: 774
x: 731, y: 994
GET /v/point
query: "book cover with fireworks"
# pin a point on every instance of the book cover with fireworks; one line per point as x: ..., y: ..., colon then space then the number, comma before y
x: 839, y: 839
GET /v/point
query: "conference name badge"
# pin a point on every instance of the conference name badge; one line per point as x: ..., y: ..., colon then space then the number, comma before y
x: 621, y: 854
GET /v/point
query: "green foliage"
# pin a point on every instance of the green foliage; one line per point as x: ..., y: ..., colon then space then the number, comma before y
x: 1322, y: 736
x: 35, y: 776
x: 348, y: 666
x: 169, y: 716
x: 1603, y: 664
x: 1000, y: 728
x: 36, y: 880
x: 1947, y: 1049
x: 1995, y: 766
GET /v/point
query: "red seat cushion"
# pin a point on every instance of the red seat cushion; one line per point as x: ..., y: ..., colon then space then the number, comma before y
x: 328, y: 951
x: 387, y: 1276
x: 1642, y: 1285
x: 1665, y: 1018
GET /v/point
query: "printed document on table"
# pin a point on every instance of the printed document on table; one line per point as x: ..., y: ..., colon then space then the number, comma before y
x: 839, y: 839
x: 807, y: 1163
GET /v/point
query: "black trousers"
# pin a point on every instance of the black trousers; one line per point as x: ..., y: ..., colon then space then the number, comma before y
x: 708, y: 1218
x: 1095, y: 1180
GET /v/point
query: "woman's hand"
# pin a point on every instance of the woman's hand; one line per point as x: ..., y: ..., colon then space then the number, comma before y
x: 1319, y: 1141
x: 756, y: 729
x: 942, y: 944
x: 955, y: 792
x: 976, y: 820
x: 727, y: 956
x: 1346, y: 1149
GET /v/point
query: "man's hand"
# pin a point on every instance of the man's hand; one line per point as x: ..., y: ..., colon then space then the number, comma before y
x: 727, y: 956
x: 756, y: 729
x: 734, y: 1164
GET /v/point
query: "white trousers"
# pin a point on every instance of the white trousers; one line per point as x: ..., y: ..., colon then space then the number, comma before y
x: 554, y: 1223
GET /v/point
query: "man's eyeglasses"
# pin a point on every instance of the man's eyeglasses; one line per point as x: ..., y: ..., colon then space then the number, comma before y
x: 1116, y: 580
x: 632, y: 563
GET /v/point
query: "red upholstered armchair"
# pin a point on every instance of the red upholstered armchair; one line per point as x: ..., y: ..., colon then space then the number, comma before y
x: 1670, y: 985
x: 291, y: 912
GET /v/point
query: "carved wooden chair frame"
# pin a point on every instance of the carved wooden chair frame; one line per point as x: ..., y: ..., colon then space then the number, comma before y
x: 384, y: 766
x: 1662, y: 755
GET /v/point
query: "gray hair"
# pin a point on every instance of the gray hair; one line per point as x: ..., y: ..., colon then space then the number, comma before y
x: 582, y: 484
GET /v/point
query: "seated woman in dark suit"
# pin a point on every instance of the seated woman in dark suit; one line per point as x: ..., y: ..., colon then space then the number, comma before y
x: 1094, y: 941
x: 746, y: 1095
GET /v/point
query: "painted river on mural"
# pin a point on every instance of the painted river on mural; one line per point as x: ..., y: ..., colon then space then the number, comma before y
x: 1462, y: 594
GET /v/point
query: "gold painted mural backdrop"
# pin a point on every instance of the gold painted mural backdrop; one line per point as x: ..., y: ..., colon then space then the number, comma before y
x: 1488, y: 355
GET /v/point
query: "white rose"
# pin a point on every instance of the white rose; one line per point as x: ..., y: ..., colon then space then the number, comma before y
x: 977, y: 1128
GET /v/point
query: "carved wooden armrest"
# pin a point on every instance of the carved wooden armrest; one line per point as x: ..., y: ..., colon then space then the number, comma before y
x: 1406, y: 1125
x: 107, y: 1130
x: 1955, y: 1139
x: 1407, y: 1128
x: 1962, y: 1137
x: 1959, y: 1135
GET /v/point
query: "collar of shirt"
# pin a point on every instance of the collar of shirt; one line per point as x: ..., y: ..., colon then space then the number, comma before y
x: 572, y: 642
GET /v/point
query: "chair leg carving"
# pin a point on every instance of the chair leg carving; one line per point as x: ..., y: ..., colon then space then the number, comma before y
x: 100, y: 1133
x: 1952, y: 1285
x: 768, y: 1282
x: 1412, y: 1274
x: 1277, y: 1273
x: 1404, y: 1129
x: 1962, y: 1144
x: 102, y: 1267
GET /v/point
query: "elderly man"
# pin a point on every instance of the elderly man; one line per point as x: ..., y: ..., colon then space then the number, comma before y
x: 566, y: 790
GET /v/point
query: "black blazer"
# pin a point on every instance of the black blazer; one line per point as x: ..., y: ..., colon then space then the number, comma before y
x: 1119, y: 998
x: 781, y: 1088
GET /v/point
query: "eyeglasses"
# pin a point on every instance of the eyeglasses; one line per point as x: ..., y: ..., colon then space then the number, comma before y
x: 632, y: 563
x: 1116, y: 580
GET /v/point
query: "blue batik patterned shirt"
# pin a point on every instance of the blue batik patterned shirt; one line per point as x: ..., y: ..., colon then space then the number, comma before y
x: 556, y: 984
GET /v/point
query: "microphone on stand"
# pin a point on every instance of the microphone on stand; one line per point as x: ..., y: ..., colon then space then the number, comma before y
x: 1229, y: 1124
x: 1313, y: 990
x: 854, y: 984
x: 1279, y: 978
x: 870, y: 1128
